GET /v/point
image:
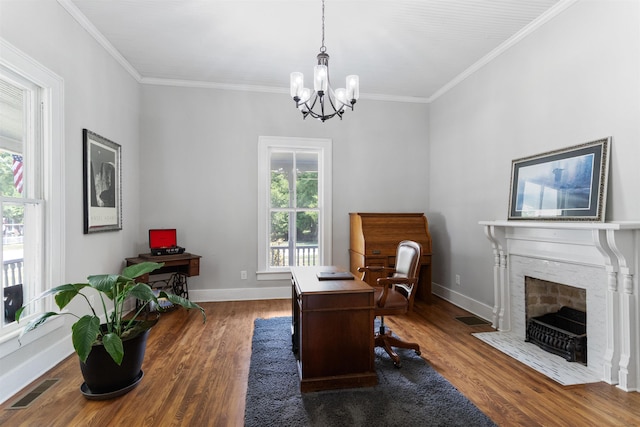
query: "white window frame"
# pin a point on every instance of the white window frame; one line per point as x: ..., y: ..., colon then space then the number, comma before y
x: 265, y: 145
x: 52, y: 152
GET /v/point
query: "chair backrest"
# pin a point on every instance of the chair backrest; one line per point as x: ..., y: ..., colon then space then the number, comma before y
x: 407, y: 266
x: 407, y: 259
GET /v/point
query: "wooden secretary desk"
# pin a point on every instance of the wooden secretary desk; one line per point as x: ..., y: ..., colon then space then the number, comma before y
x: 374, y: 239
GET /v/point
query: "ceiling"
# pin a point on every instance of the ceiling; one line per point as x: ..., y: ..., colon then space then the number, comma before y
x: 402, y: 50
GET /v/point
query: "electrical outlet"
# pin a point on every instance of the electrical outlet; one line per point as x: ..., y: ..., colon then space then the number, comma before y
x: 243, y: 275
x: 457, y: 279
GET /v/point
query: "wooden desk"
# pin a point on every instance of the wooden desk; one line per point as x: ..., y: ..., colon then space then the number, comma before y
x: 179, y: 266
x: 332, y: 331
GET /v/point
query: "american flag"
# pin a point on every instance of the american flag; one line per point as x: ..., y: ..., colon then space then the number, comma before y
x: 17, y: 172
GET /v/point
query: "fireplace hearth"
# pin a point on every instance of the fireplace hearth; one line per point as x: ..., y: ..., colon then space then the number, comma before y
x: 563, y: 333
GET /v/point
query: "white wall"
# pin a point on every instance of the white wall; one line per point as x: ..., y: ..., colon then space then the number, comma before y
x: 199, y: 173
x: 576, y: 79
x: 101, y: 96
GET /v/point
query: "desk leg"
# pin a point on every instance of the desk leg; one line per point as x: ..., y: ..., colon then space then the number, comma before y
x: 295, y: 320
x: 179, y: 285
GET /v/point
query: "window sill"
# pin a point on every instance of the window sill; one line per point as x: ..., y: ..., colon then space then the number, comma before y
x: 273, y: 275
x: 9, y: 343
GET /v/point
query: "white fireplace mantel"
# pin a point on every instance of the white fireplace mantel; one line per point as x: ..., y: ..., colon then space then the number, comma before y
x: 579, y: 249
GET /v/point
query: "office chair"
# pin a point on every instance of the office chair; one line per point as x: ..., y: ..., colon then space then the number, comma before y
x: 395, y: 294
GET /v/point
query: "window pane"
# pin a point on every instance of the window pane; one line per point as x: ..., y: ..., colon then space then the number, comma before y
x: 307, y: 238
x: 307, y: 180
x: 11, y: 112
x: 13, y: 256
x: 281, y: 167
x: 11, y: 169
x: 279, y: 241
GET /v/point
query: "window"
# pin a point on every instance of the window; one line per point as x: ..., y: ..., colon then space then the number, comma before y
x: 31, y: 186
x: 294, y: 204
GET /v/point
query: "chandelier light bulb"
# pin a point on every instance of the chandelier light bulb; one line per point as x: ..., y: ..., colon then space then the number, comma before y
x: 341, y: 96
x: 297, y: 83
x: 305, y: 94
x: 353, y: 87
x: 320, y: 78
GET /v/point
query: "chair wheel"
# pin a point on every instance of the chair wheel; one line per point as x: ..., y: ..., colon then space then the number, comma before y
x: 397, y: 365
x: 418, y: 352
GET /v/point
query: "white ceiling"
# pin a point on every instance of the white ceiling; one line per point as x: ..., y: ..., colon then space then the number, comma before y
x: 400, y: 49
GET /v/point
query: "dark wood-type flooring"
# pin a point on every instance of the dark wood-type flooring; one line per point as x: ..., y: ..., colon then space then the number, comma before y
x: 196, y: 375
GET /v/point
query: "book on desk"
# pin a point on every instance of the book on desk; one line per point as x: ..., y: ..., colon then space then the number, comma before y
x: 334, y: 275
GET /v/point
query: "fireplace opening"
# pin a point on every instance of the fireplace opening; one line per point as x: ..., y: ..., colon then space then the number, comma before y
x: 557, y: 318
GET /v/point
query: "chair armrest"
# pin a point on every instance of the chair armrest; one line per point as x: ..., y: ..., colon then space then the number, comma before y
x: 387, y: 282
x: 375, y: 268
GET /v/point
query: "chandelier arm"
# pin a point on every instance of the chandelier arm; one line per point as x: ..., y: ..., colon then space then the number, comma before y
x: 332, y: 104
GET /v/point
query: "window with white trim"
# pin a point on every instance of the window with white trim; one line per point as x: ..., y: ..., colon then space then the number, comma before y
x: 31, y: 186
x: 294, y: 203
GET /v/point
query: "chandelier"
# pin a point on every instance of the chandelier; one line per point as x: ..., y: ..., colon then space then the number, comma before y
x: 323, y: 103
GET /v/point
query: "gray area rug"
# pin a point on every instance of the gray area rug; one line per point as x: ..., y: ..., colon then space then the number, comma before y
x: 414, y: 395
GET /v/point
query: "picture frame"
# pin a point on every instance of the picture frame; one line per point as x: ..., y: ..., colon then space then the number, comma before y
x: 102, y: 183
x: 569, y: 184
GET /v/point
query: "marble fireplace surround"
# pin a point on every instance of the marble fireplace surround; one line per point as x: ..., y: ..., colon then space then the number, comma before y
x: 601, y: 257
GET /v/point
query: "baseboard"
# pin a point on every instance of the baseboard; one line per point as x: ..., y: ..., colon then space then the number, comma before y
x: 478, y: 308
x: 245, y: 294
x: 31, y: 369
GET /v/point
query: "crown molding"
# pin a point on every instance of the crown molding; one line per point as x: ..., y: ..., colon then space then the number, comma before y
x: 506, y: 45
x: 99, y: 37
x: 266, y: 89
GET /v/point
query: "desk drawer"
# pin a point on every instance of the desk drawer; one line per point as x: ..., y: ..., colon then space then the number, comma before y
x: 337, y: 301
x: 194, y: 267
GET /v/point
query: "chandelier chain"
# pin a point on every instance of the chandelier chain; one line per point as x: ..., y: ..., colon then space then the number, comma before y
x: 323, y: 48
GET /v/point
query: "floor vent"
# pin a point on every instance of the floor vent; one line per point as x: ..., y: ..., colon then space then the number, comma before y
x: 28, y: 399
x: 472, y: 320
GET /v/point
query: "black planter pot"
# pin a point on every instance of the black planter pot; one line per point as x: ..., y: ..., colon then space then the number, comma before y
x: 104, y: 378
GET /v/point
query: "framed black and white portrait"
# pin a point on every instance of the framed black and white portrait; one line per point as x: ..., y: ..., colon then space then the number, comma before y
x: 102, y: 171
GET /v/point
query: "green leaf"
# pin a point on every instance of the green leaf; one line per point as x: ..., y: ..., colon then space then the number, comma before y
x: 142, y: 291
x: 19, y: 313
x: 113, y: 344
x: 62, y: 288
x: 178, y: 300
x: 105, y: 283
x: 83, y: 334
x: 137, y: 270
x: 39, y: 320
x: 66, y: 293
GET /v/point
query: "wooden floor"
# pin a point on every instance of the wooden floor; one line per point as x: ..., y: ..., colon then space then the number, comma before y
x: 196, y: 375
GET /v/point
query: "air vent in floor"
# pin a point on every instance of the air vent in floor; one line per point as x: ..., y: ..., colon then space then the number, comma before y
x: 28, y: 398
x: 472, y: 320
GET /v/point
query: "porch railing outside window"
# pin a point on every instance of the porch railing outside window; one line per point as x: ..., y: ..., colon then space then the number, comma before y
x: 306, y: 256
x: 13, y: 271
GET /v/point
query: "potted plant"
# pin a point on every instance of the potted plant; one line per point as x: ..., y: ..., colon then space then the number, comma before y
x: 111, y: 352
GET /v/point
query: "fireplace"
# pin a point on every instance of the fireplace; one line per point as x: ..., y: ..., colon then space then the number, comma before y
x: 563, y: 332
x: 556, y: 318
x: 600, y: 260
